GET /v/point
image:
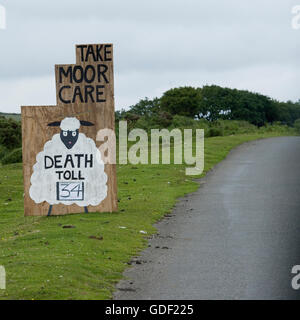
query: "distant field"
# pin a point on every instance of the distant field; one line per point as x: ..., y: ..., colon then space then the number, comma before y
x: 43, y: 260
x: 15, y: 116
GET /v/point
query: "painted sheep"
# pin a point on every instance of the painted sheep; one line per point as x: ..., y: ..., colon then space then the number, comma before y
x: 70, y: 169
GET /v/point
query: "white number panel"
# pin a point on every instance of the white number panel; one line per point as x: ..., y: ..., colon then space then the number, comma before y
x: 70, y: 191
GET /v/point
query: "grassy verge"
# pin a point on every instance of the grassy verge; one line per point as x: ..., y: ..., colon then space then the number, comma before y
x: 43, y: 260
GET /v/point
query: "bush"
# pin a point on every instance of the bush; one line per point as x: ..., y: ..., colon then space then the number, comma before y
x: 3, y: 151
x: 215, y: 132
x: 297, y: 125
x: 231, y: 127
x: 143, y: 123
x: 163, y: 119
x: 277, y: 128
x: 10, y: 133
x: 182, y: 122
x: 14, y: 156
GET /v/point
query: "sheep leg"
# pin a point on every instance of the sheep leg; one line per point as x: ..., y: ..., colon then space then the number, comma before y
x: 50, y: 210
x: 86, y: 210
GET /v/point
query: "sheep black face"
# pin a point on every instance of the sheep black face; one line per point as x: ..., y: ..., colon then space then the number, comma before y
x: 69, y: 130
x: 69, y: 138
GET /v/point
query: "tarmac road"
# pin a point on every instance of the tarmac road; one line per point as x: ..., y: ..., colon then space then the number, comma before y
x: 237, y: 237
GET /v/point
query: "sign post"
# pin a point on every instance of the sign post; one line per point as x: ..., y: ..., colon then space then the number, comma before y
x: 63, y: 168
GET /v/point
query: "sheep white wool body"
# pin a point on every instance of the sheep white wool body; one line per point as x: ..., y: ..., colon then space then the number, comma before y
x: 44, y: 180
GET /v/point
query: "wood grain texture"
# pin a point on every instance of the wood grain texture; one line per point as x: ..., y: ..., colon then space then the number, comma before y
x: 35, y: 132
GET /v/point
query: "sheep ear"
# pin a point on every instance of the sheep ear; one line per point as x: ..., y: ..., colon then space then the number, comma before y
x: 86, y: 123
x: 54, y: 124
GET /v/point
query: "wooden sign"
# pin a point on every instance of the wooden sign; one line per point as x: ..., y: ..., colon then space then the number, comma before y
x: 63, y: 168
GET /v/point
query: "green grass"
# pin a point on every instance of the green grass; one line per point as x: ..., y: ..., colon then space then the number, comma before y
x: 45, y: 261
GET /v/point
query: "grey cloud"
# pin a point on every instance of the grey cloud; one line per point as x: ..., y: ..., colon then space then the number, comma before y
x: 167, y: 43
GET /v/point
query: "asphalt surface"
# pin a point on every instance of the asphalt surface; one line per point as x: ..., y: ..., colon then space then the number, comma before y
x: 237, y: 237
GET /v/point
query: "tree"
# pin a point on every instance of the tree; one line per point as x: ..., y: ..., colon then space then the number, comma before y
x: 215, y: 102
x: 146, y: 107
x: 184, y: 101
x: 211, y: 102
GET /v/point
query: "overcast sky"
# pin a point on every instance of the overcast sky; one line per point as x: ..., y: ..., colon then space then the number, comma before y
x: 158, y: 44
